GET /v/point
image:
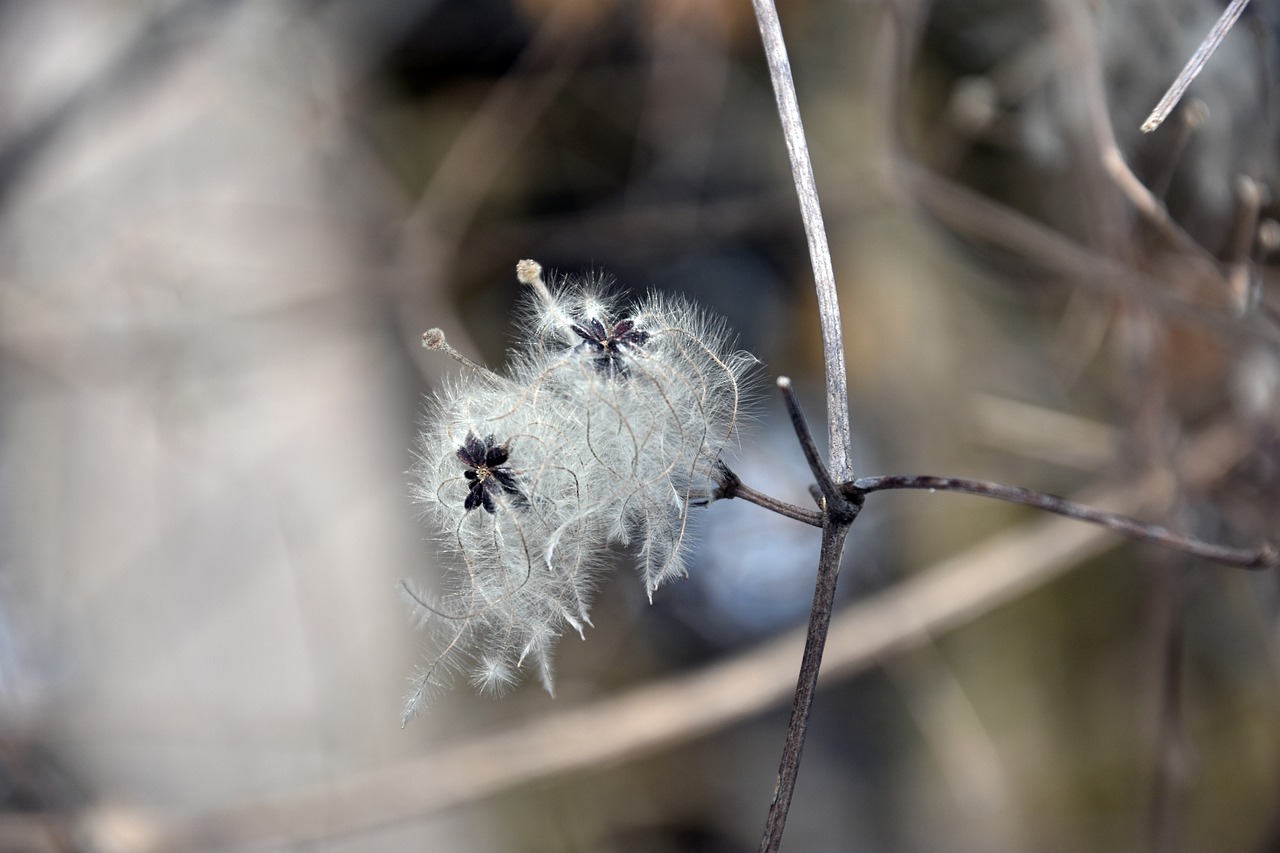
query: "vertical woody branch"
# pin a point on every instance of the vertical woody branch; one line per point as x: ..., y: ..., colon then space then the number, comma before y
x: 824, y: 279
x: 838, y: 514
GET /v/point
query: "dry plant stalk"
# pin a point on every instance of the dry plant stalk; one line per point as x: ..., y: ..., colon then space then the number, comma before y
x: 1194, y: 65
x: 940, y: 597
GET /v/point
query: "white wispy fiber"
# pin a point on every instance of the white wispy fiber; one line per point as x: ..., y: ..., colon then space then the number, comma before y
x: 519, y: 535
x: 659, y: 388
x: 607, y: 428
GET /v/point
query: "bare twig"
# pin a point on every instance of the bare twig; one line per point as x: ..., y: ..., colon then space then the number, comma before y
x: 433, y: 230
x: 1039, y: 433
x: 978, y: 217
x: 946, y: 595
x: 830, y: 489
x: 1190, y: 119
x: 839, y: 510
x: 1083, y: 64
x: 730, y: 486
x: 1263, y: 557
x: 1245, y: 285
x: 1194, y: 65
x: 824, y: 279
x: 965, y: 750
x: 824, y: 595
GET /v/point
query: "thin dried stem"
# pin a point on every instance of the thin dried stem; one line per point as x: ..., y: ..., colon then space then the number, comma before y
x: 840, y: 439
x: 432, y: 233
x: 976, y: 216
x: 1263, y: 557
x: 937, y: 599
x: 839, y: 511
x: 824, y: 596
x: 435, y: 339
x: 1194, y: 65
x: 831, y: 493
x: 731, y: 486
x: 1190, y: 119
x: 1079, y: 41
x: 1245, y: 284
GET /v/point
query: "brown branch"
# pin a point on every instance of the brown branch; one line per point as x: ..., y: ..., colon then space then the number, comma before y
x: 730, y: 486
x: 1082, y: 63
x: 1263, y: 557
x: 1194, y: 65
x: 824, y: 596
x: 832, y: 495
x: 938, y: 598
x: 839, y: 511
x: 977, y: 217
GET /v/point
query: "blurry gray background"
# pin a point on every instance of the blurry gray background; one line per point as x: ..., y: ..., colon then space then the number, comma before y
x: 224, y: 225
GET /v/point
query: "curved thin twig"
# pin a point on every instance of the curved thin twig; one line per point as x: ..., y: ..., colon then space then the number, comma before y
x: 731, y: 486
x: 832, y: 494
x: 840, y: 456
x: 1194, y: 65
x: 954, y: 592
x: 1262, y: 557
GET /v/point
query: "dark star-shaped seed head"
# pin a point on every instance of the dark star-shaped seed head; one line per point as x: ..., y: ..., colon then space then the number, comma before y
x: 487, y: 473
x: 610, y: 345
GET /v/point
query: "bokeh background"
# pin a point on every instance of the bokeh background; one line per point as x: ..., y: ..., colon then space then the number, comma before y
x: 224, y: 225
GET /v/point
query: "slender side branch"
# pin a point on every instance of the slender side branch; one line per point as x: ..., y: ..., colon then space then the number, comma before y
x: 824, y: 278
x: 1194, y: 65
x: 731, y: 486
x: 1264, y: 557
x: 937, y: 599
x: 831, y: 492
x: 435, y: 339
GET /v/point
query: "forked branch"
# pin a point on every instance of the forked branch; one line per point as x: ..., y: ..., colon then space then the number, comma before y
x: 841, y: 495
x: 838, y: 514
x: 1265, y: 556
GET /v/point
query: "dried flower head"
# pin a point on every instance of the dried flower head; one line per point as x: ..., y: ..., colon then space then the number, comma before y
x: 487, y: 472
x: 608, y: 426
x: 663, y: 392
x: 610, y: 345
x: 514, y: 527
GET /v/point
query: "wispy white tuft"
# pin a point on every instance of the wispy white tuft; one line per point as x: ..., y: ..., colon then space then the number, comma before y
x: 661, y: 391
x: 608, y: 426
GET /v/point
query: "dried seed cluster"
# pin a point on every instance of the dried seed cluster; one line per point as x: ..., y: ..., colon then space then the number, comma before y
x: 606, y: 428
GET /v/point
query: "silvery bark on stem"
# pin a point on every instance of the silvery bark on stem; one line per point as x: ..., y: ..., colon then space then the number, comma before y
x: 824, y: 279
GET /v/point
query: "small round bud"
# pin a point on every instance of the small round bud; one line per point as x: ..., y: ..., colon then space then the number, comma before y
x: 529, y: 272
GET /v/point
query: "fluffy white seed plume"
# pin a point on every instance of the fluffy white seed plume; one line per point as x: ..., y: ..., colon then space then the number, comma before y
x: 661, y: 392
x: 608, y: 426
x: 498, y: 479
